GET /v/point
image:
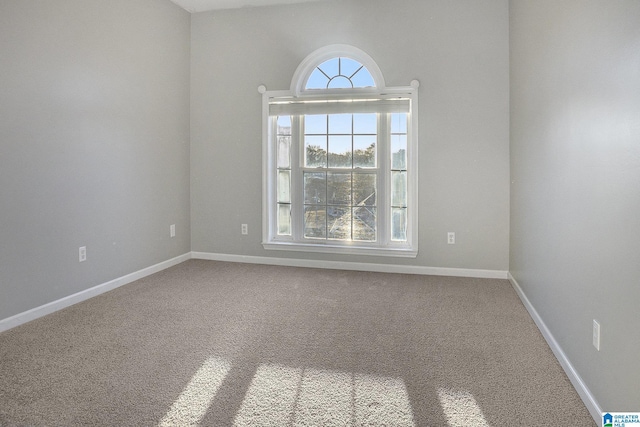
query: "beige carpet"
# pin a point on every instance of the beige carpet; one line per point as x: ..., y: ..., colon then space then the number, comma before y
x: 221, y: 344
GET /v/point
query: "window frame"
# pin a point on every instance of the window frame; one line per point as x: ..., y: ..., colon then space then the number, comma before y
x: 384, y: 245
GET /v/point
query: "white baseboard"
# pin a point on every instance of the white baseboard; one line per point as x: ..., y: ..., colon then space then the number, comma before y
x: 357, y: 266
x: 43, y: 310
x: 583, y: 391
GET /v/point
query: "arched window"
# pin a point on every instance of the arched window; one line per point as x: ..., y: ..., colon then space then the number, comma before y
x: 340, y: 73
x: 337, y: 66
x: 340, y: 159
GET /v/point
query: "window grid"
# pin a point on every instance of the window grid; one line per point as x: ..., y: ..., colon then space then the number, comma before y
x: 284, y: 196
x: 326, y: 181
x: 331, y: 211
x: 398, y: 147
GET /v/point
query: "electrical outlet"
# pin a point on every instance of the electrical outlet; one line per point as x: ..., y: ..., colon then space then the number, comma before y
x: 172, y: 230
x: 451, y: 238
x: 82, y: 253
x: 244, y: 229
x: 596, y: 334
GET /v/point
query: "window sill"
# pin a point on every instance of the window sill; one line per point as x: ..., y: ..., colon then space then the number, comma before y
x: 342, y: 249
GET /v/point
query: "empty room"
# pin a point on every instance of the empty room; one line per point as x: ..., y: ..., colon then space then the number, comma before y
x: 319, y: 212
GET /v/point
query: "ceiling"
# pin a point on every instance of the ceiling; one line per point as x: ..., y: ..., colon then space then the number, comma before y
x: 204, y: 5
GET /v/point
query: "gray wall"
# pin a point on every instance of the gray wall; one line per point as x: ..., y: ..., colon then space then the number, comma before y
x: 94, y: 143
x: 575, y: 194
x: 457, y: 50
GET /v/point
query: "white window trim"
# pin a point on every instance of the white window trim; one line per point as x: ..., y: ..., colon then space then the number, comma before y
x: 271, y: 240
x: 316, y: 58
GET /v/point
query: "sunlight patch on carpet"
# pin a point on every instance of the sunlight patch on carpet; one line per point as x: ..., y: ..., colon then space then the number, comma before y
x: 192, y: 404
x: 282, y: 395
x: 461, y: 408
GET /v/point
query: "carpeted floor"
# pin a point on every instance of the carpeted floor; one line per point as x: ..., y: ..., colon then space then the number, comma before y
x: 221, y: 344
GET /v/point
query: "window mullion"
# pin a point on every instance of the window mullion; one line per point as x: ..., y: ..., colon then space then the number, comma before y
x: 412, y: 176
x: 272, y: 169
x: 383, y: 177
x: 297, y: 186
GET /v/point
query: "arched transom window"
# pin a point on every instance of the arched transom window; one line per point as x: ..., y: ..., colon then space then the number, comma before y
x: 340, y: 159
x: 340, y: 73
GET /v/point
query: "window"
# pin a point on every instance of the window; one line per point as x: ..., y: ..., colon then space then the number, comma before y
x: 340, y: 159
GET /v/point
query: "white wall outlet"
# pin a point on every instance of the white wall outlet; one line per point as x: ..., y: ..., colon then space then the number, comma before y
x: 451, y: 238
x: 244, y: 229
x: 172, y: 230
x: 82, y: 253
x: 596, y: 334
